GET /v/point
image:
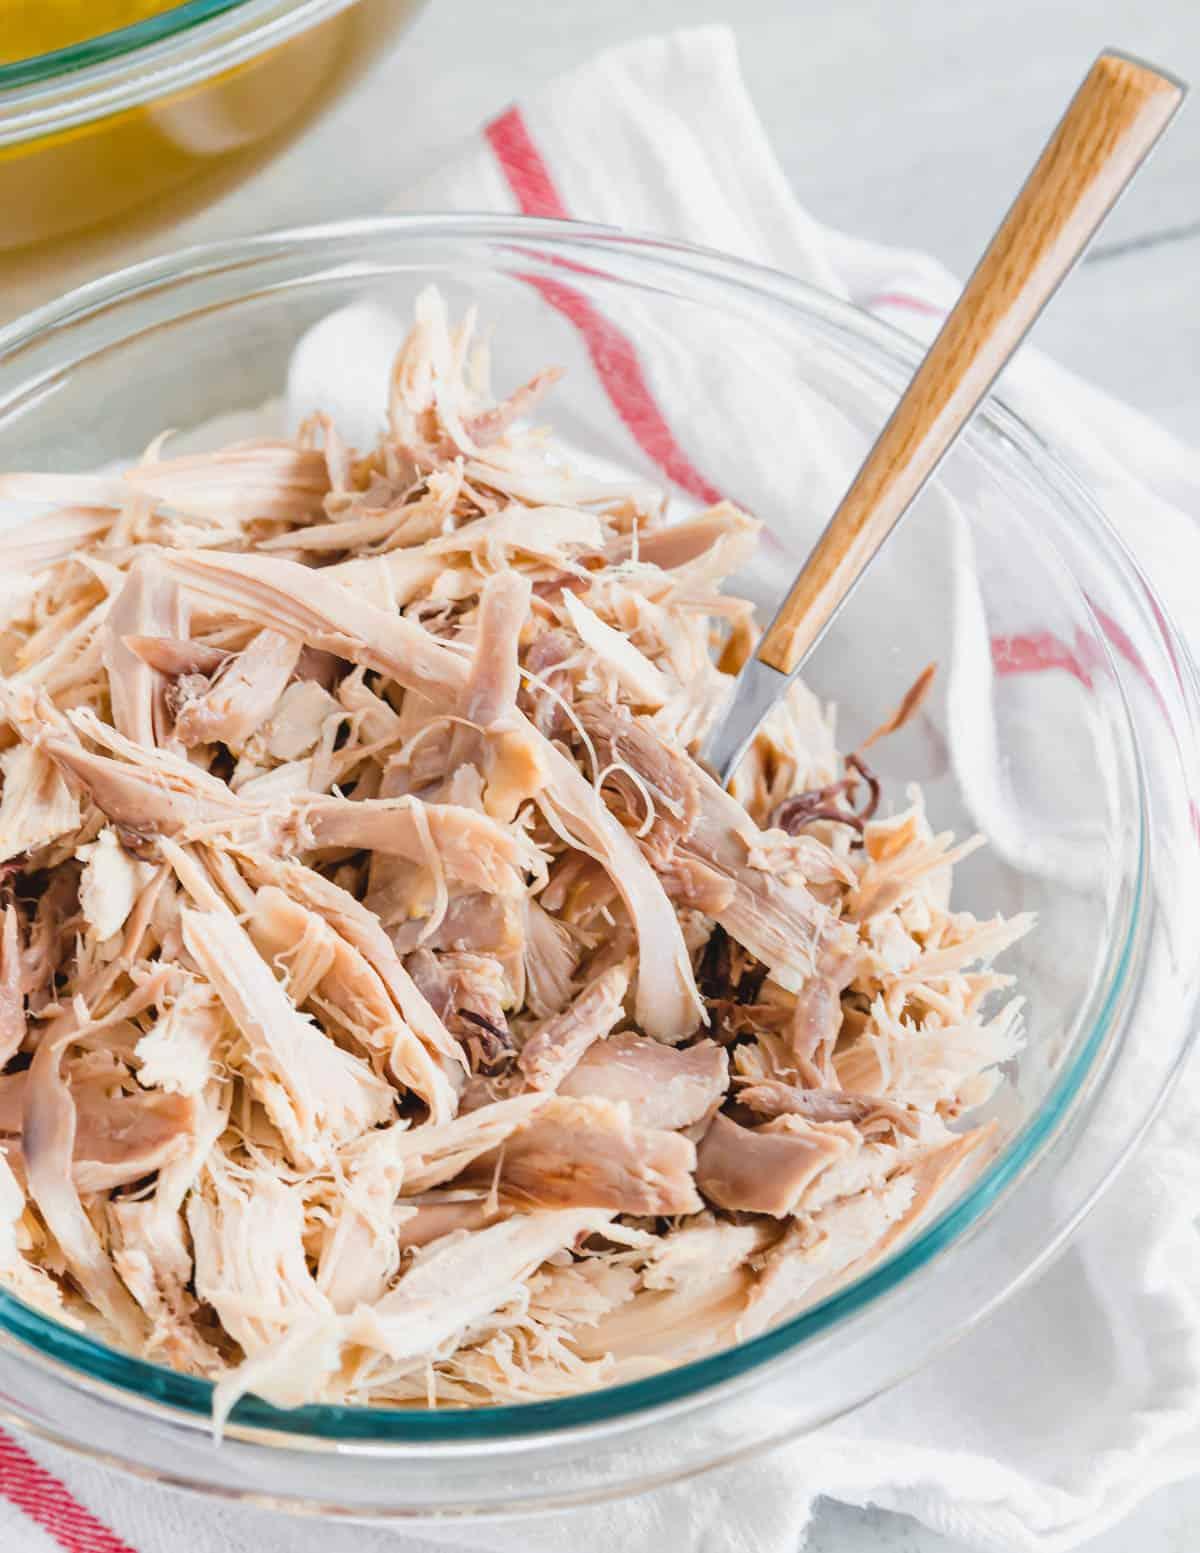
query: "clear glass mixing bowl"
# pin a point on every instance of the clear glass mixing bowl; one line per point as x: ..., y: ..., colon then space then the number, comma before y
x: 1081, y: 773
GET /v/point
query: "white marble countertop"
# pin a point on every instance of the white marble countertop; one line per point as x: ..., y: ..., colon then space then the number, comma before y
x: 857, y: 97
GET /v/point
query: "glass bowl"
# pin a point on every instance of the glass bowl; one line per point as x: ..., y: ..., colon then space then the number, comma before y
x: 92, y: 129
x: 1062, y: 725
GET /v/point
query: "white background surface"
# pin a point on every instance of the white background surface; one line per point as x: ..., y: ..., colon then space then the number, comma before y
x: 909, y: 121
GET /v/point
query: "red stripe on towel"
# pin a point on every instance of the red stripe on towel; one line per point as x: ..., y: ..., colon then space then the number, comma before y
x: 612, y: 351
x: 25, y: 1483
x: 1035, y: 653
x: 521, y: 163
x: 619, y: 370
x: 902, y: 299
x: 1126, y: 649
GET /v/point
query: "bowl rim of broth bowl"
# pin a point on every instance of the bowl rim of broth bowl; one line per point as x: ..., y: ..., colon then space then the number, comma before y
x: 148, y: 60
x: 980, y: 1247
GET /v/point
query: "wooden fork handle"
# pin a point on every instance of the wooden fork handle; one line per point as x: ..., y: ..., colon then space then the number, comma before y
x: 1111, y: 124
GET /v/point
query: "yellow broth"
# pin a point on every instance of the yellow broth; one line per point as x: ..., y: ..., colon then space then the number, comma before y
x: 93, y: 172
x: 32, y: 27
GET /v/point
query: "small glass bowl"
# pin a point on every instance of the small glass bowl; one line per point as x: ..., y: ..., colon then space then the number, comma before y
x: 1081, y: 773
x: 89, y: 131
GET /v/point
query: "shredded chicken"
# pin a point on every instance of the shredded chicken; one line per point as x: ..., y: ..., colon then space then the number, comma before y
x: 555, y: 1046
x: 393, y: 1010
x: 663, y: 1086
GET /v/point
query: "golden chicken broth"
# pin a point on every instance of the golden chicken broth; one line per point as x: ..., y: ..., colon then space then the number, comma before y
x: 32, y: 27
x: 92, y: 172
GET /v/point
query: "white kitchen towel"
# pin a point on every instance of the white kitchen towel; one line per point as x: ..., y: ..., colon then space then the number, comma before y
x: 1083, y: 1393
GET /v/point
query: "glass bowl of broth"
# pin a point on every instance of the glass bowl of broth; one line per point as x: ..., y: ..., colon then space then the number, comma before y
x: 109, y: 104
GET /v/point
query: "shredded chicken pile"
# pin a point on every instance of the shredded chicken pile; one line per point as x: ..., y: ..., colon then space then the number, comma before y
x: 392, y: 1010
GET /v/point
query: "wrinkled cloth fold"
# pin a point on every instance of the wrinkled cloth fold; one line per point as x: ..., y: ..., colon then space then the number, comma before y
x: 1082, y: 1394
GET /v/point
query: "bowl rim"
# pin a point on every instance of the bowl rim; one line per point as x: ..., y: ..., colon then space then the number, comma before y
x: 48, y: 94
x: 32, y: 69
x: 1079, y: 1086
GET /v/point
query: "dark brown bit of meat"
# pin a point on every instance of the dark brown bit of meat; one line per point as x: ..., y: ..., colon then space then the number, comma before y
x: 729, y: 1021
x: 483, y: 1024
x: 490, y: 1048
x: 795, y: 819
x: 816, y: 803
x: 732, y: 1021
x: 822, y: 803
x: 27, y: 889
x: 11, y: 867
x: 874, y: 789
x: 727, y: 973
x: 133, y: 1190
x: 912, y: 702
x: 712, y: 974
